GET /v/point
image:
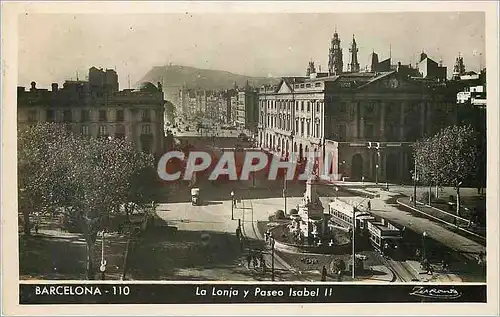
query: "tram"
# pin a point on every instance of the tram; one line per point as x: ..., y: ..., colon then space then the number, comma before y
x: 342, y: 213
x: 382, y: 235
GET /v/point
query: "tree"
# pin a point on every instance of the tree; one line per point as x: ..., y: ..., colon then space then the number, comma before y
x: 41, y: 169
x: 424, y: 163
x: 428, y: 165
x: 449, y: 157
x: 279, y: 214
x: 88, y: 178
x: 338, y: 265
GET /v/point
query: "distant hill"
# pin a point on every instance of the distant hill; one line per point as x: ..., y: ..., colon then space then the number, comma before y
x: 174, y: 76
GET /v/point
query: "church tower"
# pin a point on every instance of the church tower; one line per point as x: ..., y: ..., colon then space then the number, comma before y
x: 353, y: 67
x: 310, y: 69
x: 335, y: 64
x: 459, y: 68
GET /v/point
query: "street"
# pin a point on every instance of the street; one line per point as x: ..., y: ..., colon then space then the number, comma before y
x: 211, y: 221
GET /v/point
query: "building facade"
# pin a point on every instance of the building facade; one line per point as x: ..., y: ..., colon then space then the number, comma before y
x: 247, y: 109
x: 367, y: 121
x: 97, y: 108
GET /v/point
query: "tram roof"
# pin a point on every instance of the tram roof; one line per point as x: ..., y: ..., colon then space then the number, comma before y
x: 383, y: 227
x: 347, y: 208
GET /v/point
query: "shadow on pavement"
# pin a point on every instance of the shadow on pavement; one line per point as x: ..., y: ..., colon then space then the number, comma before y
x: 165, y: 253
x: 64, y: 258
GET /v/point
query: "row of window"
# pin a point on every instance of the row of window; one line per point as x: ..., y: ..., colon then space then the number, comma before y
x: 67, y: 115
x: 391, y: 131
x: 339, y: 215
x: 286, y: 105
x: 369, y: 108
x: 374, y: 238
x: 302, y: 127
x: 120, y: 130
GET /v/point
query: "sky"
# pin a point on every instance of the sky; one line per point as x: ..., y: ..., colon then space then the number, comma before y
x: 57, y: 47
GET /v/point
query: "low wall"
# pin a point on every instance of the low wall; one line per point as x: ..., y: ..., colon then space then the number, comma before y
x: 325, y: 249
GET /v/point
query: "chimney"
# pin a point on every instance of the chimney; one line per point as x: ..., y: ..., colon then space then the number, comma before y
x: 55, y: 87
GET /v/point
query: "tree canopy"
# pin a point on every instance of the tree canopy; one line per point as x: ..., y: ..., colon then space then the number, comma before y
x: 449, y: 157
x: 88, y: 178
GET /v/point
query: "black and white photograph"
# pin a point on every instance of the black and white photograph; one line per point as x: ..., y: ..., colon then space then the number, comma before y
x: 285, y: 156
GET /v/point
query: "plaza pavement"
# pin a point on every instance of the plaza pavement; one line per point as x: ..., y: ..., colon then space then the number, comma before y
x: 215, y: 215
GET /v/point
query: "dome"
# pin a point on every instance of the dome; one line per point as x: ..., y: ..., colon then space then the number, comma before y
x: 147, y: 86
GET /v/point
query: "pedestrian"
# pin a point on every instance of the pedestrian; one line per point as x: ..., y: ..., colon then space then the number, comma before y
x: 480, y: 258
x: 238, y: 233
x: 36, y: 218
x: 339, y: 276
x: 323, y: 274
x: 263, y: 264
x: 255, y: 261
x: 369, y: 205
x: 249, y: 259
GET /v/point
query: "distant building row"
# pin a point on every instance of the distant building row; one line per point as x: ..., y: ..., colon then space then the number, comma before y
x: 97, y: 108
x: 237, y: 106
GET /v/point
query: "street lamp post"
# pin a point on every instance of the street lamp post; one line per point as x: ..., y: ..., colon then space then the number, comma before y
x: 272, y: 257
x: 285, y: 175
x: 424, y: 235
x: 253, y: 177
x: 415, y: 184
x: 103, y: 261
x: 232, y: 205
x: 354, y: 236
x: 376, y: 146
x: 353, y: 243
x: 284, y: 191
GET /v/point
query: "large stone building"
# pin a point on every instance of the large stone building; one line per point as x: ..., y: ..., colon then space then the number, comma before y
x: 247, y: 109
x: 97, y: 108
x: 366, y: 120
